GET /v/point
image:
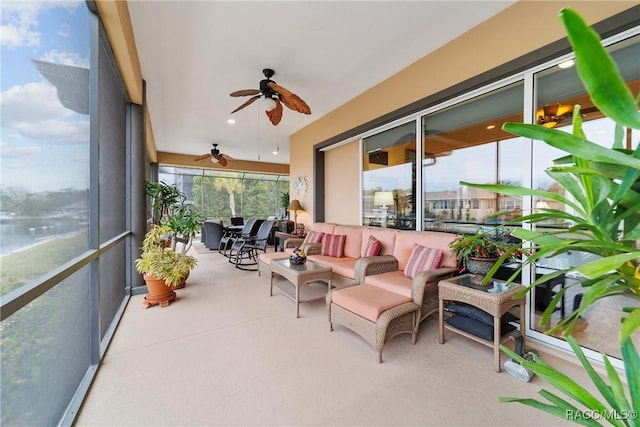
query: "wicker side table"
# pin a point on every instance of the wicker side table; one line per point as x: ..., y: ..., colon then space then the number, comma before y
x: 467, y: 290
x: 298, y: 275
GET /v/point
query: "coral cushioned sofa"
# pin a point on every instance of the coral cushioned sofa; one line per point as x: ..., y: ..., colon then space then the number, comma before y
x: 347, y: 256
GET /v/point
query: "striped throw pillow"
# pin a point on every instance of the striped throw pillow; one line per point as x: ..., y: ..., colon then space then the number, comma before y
x: 373, y: 247
x: 422, y: 259
x: 333, y: 245
x: 313, y: 237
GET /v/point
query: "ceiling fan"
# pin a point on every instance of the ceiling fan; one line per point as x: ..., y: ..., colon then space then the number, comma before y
x: 276, y: 95
x: 216, y: 156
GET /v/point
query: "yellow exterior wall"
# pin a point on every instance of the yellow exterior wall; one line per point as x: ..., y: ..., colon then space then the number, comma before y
x: 342, y: 184
x: 518, y: 30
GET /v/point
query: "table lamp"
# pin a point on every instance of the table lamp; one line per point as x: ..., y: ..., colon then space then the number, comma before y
x: 383, y: 199
x: 295, y: 206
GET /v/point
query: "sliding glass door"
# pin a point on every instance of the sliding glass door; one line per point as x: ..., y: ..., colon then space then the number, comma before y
x: 389, y: 178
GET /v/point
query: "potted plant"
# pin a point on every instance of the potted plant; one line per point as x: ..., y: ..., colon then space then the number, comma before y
x: 604, y: 188
x: 478, y: 253
x: 164, y: 198
x: 185, y: 223
x: 163, y: 269
x: 284, y: 203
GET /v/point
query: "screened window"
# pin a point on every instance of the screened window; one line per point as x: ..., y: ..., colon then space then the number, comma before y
x: 44, y: 190
x: 222, y: 194
x: 44, y: 218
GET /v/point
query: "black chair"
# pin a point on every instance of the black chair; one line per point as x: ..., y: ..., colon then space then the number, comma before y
x: 213, y: 232
x: 246, y: 249
x: 237, y: 220
x: 203, y: 233
x: 230, y: 235
x: 226, y: 243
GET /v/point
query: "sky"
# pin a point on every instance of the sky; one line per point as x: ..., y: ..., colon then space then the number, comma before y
x: 43, y: 145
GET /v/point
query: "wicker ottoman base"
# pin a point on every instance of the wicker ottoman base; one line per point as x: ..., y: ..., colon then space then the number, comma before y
x: 403, y: 318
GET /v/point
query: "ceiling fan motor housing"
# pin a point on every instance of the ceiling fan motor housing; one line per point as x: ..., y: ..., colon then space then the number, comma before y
x: 265, y: 89
x: 268, y: 72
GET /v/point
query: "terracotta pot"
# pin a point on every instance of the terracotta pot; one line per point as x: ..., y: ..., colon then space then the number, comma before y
x: 480, y: 265
x: 159, y: 292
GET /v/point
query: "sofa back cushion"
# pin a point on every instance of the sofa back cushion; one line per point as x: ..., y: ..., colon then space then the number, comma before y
x: 386, y: 236
x: 422, y: 259
x: 323, y: 227
x: 405, y: 240
x: 353, y: 242
x: 333, y: 245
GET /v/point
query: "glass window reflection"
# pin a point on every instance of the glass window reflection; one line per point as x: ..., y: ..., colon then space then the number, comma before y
x: 389, y: 178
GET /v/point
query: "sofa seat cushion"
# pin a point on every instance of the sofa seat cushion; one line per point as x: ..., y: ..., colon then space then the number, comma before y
x: 267, y: 257
x: 367, y: 301
x: 393, y: 281
x: 344, y: 267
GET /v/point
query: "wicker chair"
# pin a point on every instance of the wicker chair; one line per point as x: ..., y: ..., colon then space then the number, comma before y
x: 213, y: 232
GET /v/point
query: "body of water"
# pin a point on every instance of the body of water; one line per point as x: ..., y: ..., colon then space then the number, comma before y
x: 19, y: 233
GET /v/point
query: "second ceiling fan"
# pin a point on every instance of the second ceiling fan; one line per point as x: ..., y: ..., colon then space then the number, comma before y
x: 216, y: 156
x: 270, y: 90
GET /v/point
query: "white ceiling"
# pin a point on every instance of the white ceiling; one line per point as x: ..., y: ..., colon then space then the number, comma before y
x: 195, y: 53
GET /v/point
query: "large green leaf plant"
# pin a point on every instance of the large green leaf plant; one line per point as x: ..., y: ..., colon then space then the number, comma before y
x: 603, y: 189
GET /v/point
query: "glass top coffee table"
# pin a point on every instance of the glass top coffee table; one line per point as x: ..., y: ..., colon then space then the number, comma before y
x: 297, y: 277
x: 494, y: 298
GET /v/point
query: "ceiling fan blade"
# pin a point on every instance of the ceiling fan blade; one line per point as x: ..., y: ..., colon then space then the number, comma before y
x: 290, y: 99
x: 228, y: 157
x: 248, y: 102
x: 221, y: 160
x: 204, y: 156
x: 275, y: 115
x: 245, y: 92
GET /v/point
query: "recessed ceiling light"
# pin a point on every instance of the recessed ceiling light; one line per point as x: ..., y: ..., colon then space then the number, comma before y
x: 491, y: 127
x: 231, y: 121
x: 566, y: 64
